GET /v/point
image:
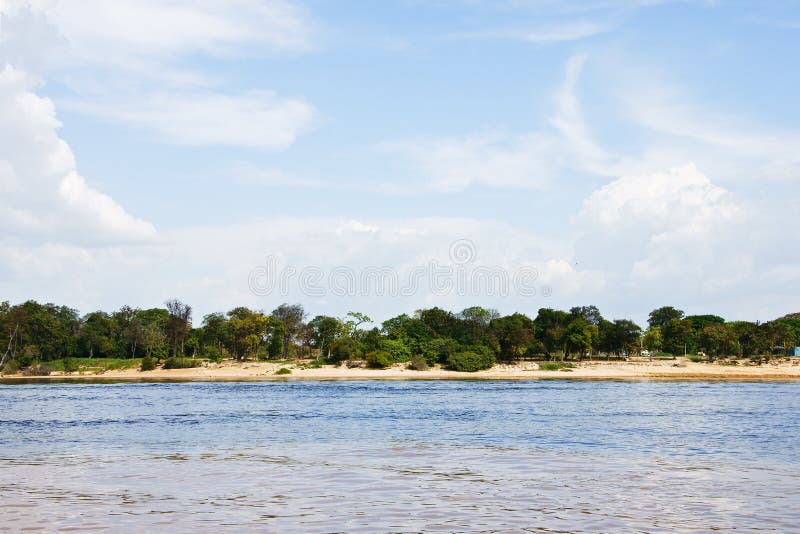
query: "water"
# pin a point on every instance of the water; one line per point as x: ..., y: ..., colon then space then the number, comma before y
x: 551, y: 456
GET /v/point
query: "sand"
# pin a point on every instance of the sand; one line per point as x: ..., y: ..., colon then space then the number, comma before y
x: 596, y: 370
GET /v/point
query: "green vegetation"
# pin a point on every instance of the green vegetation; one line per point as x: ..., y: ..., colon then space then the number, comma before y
x: 470, y: 361
x: 34, y: 335
x: 283, y: 371
x: 378, y: 359
x: 418, y: 363
x: 181, y: 363
x: 555, y: 366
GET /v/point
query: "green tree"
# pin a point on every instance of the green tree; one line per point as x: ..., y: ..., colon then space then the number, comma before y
x: 397, y: 349
x: 97, y: 335
x: 590, y: 314
x: 550, y: 329
x: 345, y: 348
x: 275, y: 346
x: 717, y: 339
x: 662, y: 316
x: 578, y: 337
x: 678, y: 336
x: 652, y: 338
x: 514, y: 335
x: 325, y: 330
x: 292, y: 316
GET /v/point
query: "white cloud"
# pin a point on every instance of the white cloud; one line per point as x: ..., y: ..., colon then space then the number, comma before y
x: 116, y: 33
x: 529, y: 160
x: 669, y: 233
x: 124, y: 61
x: 43, y: 196
x: 210, y: 266
x: 570, y: 31
x: 259, y: 119
x: 491, y: 158
x: 721, y: 141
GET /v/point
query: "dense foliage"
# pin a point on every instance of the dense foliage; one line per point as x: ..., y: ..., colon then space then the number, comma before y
x: 34, y: 334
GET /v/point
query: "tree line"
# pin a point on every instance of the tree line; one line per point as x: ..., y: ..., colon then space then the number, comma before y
x: 474, y: 338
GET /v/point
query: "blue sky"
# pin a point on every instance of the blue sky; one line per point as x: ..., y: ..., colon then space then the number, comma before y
x: 634, y: 153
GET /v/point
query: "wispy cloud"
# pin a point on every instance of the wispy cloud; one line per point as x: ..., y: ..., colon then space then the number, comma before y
x: 259, y: 119
x: 126, y: 61
x: 571, y: 31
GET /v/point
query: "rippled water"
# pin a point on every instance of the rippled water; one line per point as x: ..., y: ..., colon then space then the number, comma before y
x: 401, y: 456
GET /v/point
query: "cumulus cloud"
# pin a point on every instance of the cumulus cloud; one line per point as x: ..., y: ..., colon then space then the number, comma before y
x: 211, y: 266
x: 667, y: 233
x: 43, y: 196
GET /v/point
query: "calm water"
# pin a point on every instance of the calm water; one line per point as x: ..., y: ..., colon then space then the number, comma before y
x: 401, y: 456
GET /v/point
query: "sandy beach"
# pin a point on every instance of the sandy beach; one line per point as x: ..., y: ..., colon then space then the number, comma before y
x: 588, y: 370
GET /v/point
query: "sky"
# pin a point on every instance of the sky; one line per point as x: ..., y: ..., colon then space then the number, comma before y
x: 389, y: 156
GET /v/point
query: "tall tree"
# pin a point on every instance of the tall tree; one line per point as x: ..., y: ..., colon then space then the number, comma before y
x: 662, y: 316
x: 178, y: 324
x: 514, y: 335
x: 292, y: 316
x: 590, y: 314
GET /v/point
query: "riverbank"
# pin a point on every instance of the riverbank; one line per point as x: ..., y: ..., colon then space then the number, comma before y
x: 595, y: 370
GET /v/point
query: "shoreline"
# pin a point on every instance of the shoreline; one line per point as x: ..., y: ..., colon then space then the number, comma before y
x: 667, y: 370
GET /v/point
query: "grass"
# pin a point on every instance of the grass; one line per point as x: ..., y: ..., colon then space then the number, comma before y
x: 283, y: 371
x: 555, y: 366
x: 96, y: 364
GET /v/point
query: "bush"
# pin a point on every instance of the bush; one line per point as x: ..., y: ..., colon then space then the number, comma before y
x: 148, y: 363
x: 470, y: 361
x: 418, y: 363
x: 38, y: 369
x: 283, y: 371
x: 181, y: 363
x: 696, y: 358
x: 343, y: 349
x: 70, y: 366
x: 10, y: 368
x: 214, y: 354
x: 379, y: 359
x: 555, y: 366
x: 397, y: 350
x: 439, y: 349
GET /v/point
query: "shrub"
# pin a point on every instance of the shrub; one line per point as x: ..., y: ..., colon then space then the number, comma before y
x: 439, y: 349
x: 283, y: 371
x: 343, y: 349
x: 315, y: 364
x: 10, y: 368
x: 555, y: 366
x: 418, y: 363
x: 470, y: 361
x: 181, y: 363
x: 148, y: 364
x: 379, y: 359
x: 398, y: 351
x: 214, y: 354
x: 696, y: 358
x: 70, y: 366
x: 37, y: 369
